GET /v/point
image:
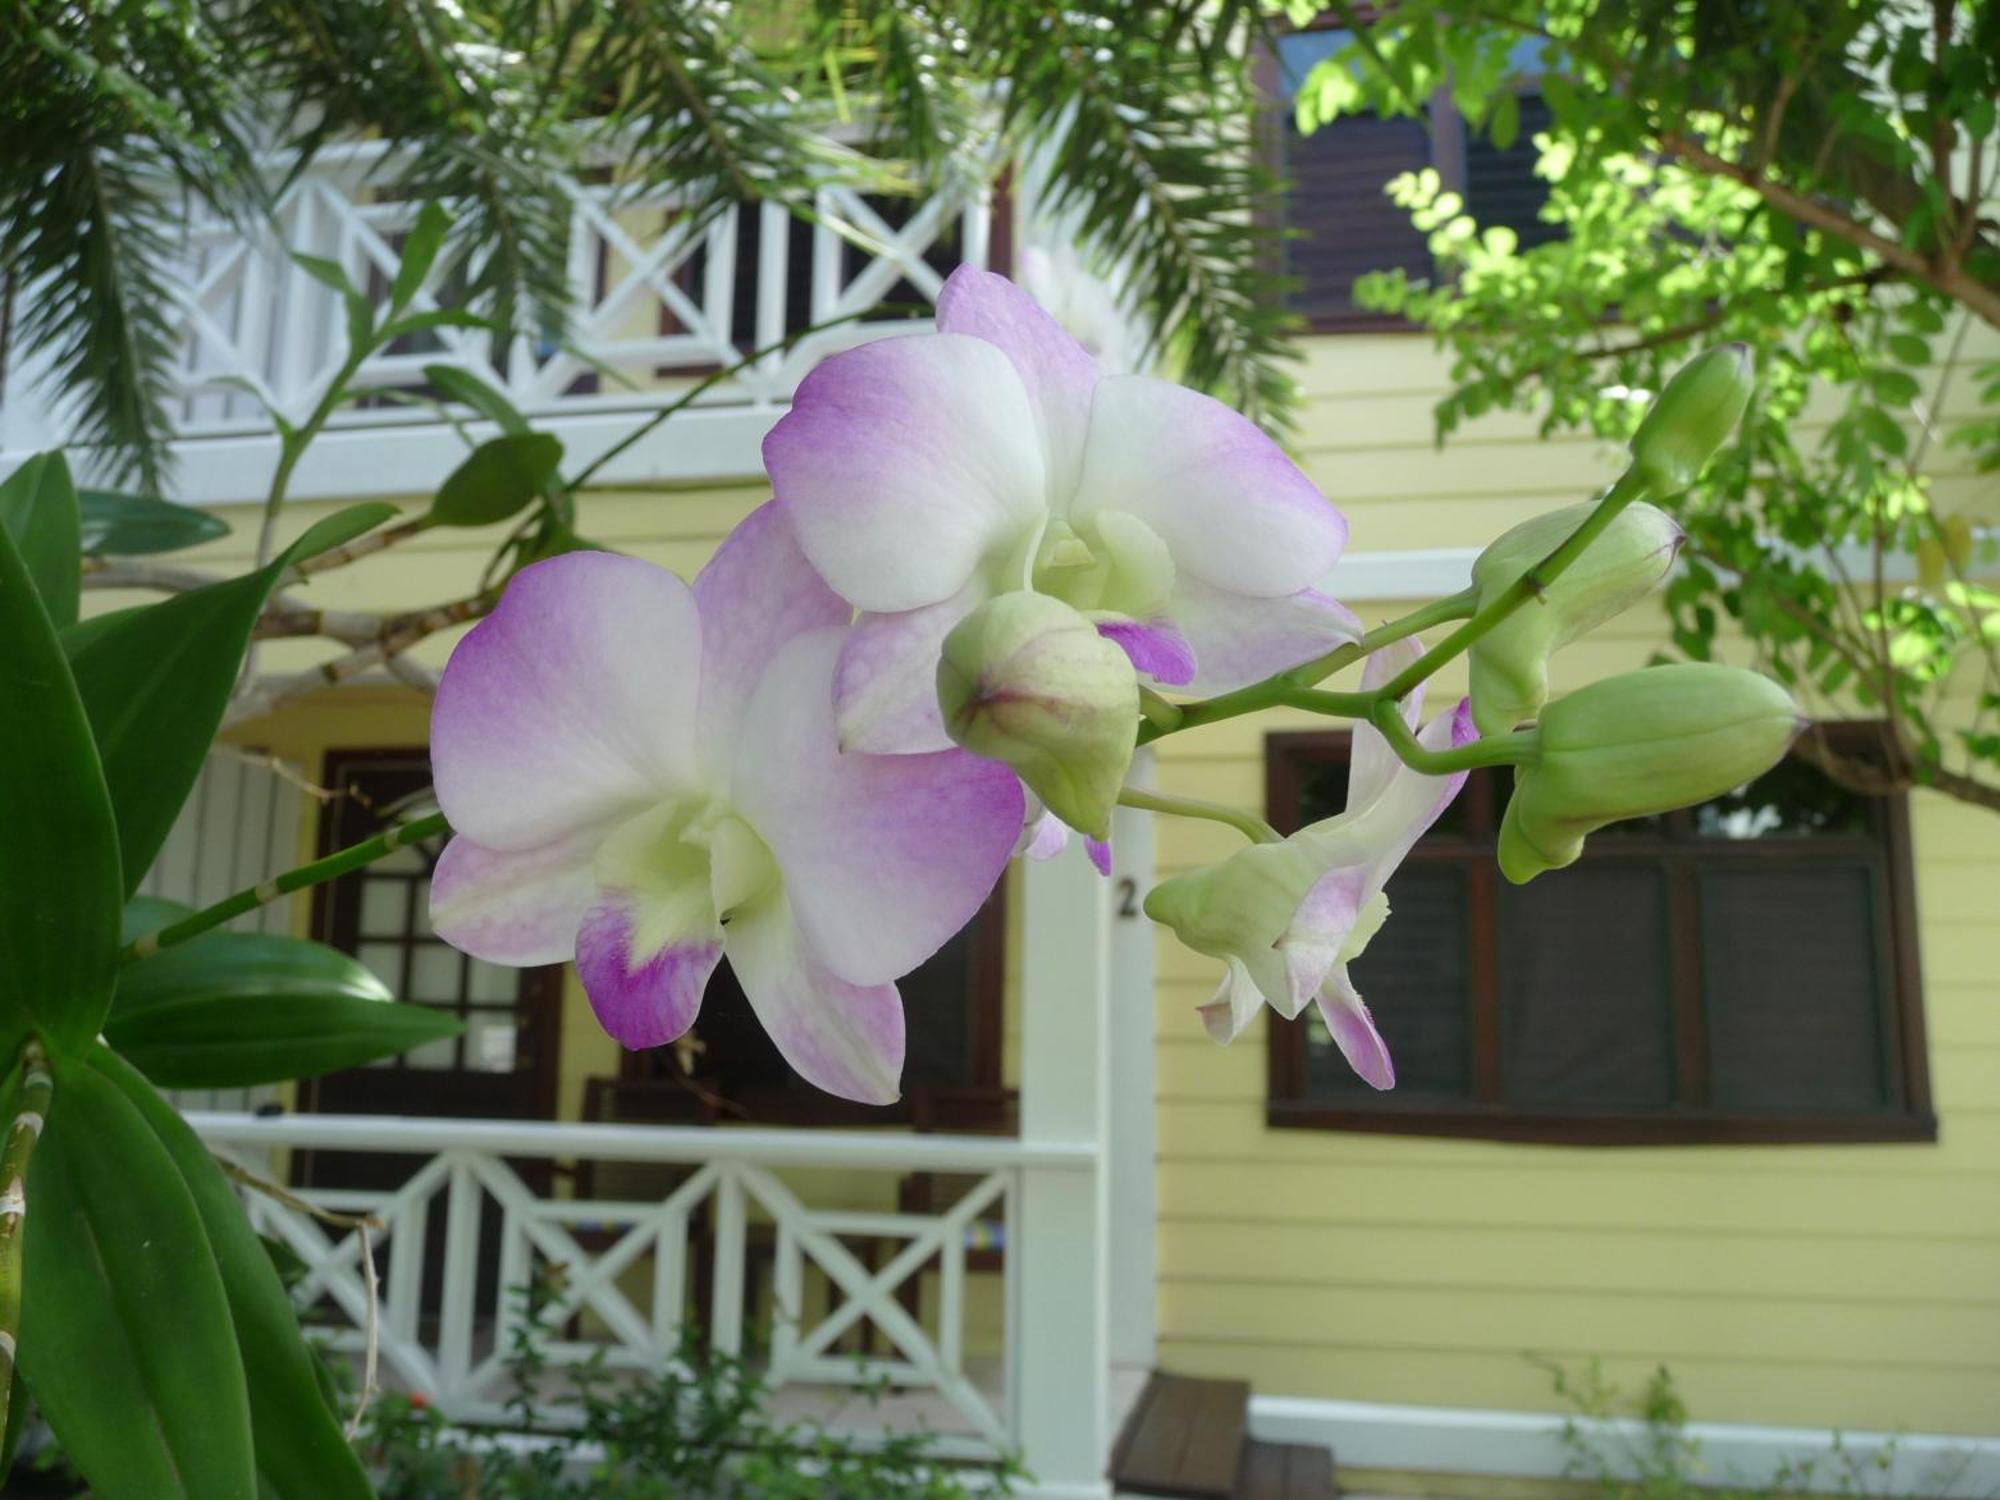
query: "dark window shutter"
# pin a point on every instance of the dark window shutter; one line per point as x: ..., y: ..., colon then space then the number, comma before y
x: 1792, y: 966
x: 1343, y: 225
x: 1414, y: 977
x: 1500, y: 184
x: 1584, y: 989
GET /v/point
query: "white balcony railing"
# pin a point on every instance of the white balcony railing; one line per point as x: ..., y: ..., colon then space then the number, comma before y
x: 788, y: 1268
x: 652, y: 306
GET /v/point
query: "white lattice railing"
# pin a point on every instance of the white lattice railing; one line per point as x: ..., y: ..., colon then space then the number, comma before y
x: 785, y: 1279
x: 652, y: 305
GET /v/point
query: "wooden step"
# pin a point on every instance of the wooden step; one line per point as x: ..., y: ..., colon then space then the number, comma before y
x: 1185, y: 1439
x: 1285, y: 1471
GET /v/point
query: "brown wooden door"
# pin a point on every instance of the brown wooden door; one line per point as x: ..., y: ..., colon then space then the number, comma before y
x: 503, y: 1066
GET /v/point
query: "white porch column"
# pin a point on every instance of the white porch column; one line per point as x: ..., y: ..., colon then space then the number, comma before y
x: 1134, y: 1261
x: 1060, y: 1338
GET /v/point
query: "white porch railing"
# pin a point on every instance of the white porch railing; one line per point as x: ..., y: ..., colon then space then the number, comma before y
x: 462, y: 1235
x: 652, y: 305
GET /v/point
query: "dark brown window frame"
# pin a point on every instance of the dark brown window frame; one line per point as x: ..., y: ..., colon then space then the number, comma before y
x: 1441, y: 120
x: 1488, y: 1117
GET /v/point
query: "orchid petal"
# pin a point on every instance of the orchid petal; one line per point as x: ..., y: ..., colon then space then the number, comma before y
x: 905, y: 464
x: 1371, y: 763
x: 1157, y: 649
x: 883, y: 857
x: 1233, y: 1007
x: 756, y: 593
x: 1099, y: 851
x: 517, y: 906
x: 1238, y: 640
x: 1353, y: 1030
x: 1045, y: 836
x: 885, y: 686
x: 1231, y: 507
x: 642, y: 997
x: 571, y: 704
x: 841, y: 1037
x: 1057, y: 371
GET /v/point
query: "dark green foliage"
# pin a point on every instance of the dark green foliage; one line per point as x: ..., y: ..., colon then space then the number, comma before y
x: 38, y: 510
x: 119, y: 525
x: 1721, y: 173
x: 497, y: 479
x: 60, y: 888
x: 126, y: 1340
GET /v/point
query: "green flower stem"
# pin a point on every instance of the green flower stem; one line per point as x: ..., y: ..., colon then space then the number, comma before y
x: 37, y: 1089
x: 1293, y: 689
x: 1459, y: 606
x: 1249, y: 825
x: 1519, y: 748
x: 1630, y: 486
x: 353, y: 857
x: 1159, y: 709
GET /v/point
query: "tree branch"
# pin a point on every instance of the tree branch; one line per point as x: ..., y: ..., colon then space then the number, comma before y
x: 396, y: 634
x: 1951, y: 279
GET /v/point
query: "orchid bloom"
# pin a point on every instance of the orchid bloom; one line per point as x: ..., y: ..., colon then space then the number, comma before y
x: 1289, y: 917
x: 928, y: 473
x: 645, y: 777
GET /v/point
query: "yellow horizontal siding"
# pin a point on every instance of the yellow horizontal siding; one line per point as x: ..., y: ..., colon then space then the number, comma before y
x: 1851, y: 1286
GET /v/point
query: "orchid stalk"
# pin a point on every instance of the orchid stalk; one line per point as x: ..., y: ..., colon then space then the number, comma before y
x: 990, y: 572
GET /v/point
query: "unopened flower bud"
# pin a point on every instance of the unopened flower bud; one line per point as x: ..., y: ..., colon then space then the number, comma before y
x: 1638, y: 744
x: 1693, y: 417
x: 1509, y: 665
x: 1028, y: 681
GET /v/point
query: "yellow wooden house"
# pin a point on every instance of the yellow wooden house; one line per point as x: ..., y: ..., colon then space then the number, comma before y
x: 1725, y: 1097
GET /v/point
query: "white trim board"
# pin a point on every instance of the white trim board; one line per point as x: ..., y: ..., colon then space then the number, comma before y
x: 1528, y: 1445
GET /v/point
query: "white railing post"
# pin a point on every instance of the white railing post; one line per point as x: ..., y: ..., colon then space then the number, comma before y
x: 1059, y: 1330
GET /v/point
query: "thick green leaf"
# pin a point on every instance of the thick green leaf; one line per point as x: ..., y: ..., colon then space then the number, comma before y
x: 144, y: 914
x: 120, y: 525
x: 155, y: 685
x: 38, y: 509
x: 230, y: 1009
x: 234, y: 1041
x: 497, y: 479
x: 75, y: 637
x: 126, y: 1336
x: 467, y: 389
x: 420, y: 252
x: 261, y: 965
x: 301, y: 1451
x: 60, y: 890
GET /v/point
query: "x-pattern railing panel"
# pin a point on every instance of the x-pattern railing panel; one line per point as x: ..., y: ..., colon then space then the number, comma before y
x: 466, y: 1233
x: 259, y: 332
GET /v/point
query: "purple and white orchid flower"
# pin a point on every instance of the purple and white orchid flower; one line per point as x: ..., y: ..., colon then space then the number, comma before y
x: 645, y: 776
x: 1287, y: 918
x: 926, y: 474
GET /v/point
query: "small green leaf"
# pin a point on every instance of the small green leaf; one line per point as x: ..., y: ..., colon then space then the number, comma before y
x: 301, y: 1451
x: 440, y: 317
x: 1506, y: 118
x: 59, y: 876
x: 497, y: 479
x: 1894, y: 387
x: 360, y: 316
x: 467, y: 389
x: 328, y: 273
x: 126, y: 1336
x: 235, y: 1041
x: 420, y: 252
x: 336, y: 530
x: 120, y: 525
x: 38, y: 510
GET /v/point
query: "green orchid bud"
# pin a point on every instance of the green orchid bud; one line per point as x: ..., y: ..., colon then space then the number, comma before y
x: 1027, y: 680
x: 1509, y: 665
x: 1692, y: 418
x: 1638, y: 744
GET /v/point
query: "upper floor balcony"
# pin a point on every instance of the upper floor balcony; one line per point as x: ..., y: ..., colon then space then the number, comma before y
x: 655, y: 307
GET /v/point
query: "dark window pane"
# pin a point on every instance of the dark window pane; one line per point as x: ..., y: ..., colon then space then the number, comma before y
x: 1789, y: 800
x: 1343, y: 224
x: 1792, y: 973
x: 1585, y: 989
x: 1500, y: 184
x: 1414, y: 977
